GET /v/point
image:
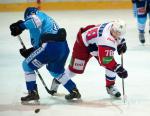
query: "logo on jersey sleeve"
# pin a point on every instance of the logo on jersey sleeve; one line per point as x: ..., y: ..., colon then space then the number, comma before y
x: 37, y: 63
x: 78, y: 64
x: 37, y: 21
x: 34, y: 54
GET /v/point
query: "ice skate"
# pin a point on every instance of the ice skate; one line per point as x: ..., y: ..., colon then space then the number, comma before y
x: 113, y: 91
x: 31, y: 98
x: 74, y: 94
x: 142, y: 38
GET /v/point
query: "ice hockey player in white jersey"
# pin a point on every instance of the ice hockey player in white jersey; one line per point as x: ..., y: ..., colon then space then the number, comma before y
x: 100, y: 41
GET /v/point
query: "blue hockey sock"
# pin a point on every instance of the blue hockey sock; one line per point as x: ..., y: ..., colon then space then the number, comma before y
x: 141, y: 31
x: 31, y: 85
x: 70, y: 85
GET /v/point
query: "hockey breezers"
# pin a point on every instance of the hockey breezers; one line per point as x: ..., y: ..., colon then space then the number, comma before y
x: 39, y: 75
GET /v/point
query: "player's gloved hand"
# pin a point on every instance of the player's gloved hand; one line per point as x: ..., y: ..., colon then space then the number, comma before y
x: 92, y: 47
x: 121, y: 48
x: 17, y: 28
x: 26, y: 52
x: 121, y: 72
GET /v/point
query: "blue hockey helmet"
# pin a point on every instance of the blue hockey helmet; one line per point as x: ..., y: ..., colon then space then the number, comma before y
x: 29, y: 11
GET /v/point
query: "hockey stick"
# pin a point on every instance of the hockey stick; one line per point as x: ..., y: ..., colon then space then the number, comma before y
x: 123, y: 90
x: 39, y: 75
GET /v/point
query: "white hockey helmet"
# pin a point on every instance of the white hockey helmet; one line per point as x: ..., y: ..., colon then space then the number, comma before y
x: 119, y: 26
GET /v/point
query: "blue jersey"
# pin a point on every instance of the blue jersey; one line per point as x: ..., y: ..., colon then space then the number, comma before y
x: 142, y: 7
x: 38, y: 24
x: 142, y: 3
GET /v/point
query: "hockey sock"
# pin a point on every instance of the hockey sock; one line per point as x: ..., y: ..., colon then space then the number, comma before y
x: 110, y: 81
x: 70, y: 85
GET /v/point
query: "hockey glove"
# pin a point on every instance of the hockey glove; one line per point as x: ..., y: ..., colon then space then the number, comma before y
x: 59, y: 37
x: 121, y: 48
x: 92, y: 47
x: 26, y: 52
x: 62, y: 34
x: 121, y: 72
x: 17, y: 28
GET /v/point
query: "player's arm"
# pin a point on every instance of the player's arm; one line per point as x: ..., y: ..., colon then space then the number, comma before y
x: 36, y: 22
x: 33, y: 21
x: 106, y: 59
x: 83, y: 29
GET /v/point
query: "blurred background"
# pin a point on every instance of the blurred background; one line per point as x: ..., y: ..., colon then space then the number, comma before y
x: 18, y: 5
x: 73, y: 14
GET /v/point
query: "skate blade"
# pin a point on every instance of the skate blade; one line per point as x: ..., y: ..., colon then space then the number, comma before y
x: 114, y: 97
x: 32, y: 102
x: 74, y: 99
x: 59, y: 94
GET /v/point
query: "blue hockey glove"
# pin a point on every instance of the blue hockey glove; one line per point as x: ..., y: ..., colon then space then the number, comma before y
x: 17, y: 28
x: 121, y: 72
x: 92, y: 47
x: 121, y: 48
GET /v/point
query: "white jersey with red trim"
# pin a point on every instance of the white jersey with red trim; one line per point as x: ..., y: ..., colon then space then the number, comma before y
x: 100, y: 35
x: 106, y: 43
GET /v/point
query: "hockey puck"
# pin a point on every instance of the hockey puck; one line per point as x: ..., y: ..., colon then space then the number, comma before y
x: 37, y: 110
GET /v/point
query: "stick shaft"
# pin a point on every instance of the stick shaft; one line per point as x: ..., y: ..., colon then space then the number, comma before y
x: 21, y: 42
x: 123, y: 90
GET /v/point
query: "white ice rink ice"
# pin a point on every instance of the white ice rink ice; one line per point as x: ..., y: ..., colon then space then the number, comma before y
x: 95, y: 100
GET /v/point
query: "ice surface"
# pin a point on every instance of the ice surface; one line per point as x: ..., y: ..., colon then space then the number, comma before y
x: 95, y: 101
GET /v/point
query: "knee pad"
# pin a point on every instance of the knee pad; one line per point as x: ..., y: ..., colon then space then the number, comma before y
x: 110, y: 75
x: 141, y: 23
x: 63, y: 78
x: 26, y: 67
x: 70, y: 73
x: 142, y: 20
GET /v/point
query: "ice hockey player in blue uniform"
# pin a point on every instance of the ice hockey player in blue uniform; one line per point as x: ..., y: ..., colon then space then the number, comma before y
x: 141, y: 9
x: 49, y: 47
